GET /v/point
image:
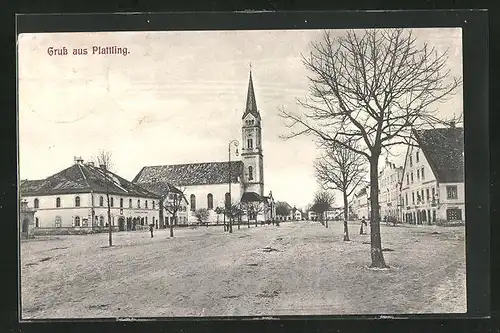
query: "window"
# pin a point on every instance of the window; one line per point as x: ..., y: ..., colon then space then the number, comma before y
x: 121, y: 202
x: 250, y: 143
x: 418, y: 174
x: 428, y: 195
x: 433, y: 193
x: 77, y: 201
x: 112, y: 203
x: 101, y: 220
x: 58, y: 202
x: 139, y: 203
x: 37, y: 203
x: 411, y: 176
x: 37, y: 222
x: 101, y: 201
x: 193, y: 202
x: 77, y: 221
x: 411, y: 161
x: 417, y: 157
x: 129, y: 203
x: 58, y: 222
x: 146, y: 204
x: 210, y: 201
x: 413, y: 197
x: 250, y: 173
x: 422, y: 196
x: 406, y: 198
x: 146, y: 220
x: 153, y: 204
x: 407, y: 179
x: 452, y: 192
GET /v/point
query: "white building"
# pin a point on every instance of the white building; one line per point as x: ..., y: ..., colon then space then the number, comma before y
x: 390, y: 178
x: 360, y: 204
x: 206, y: 185
x: 76, y: 198
x: 433, y: 182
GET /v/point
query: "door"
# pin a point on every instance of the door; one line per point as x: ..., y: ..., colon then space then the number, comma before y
x: 121, y: 224
x: 25, y: 226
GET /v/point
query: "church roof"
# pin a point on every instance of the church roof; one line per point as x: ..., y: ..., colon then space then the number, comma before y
x: 83, y: 178
x: 443, y: 148
x: 191, y: 174
x: 251, y: 106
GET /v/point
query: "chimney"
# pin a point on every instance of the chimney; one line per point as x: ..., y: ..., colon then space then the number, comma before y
x: 78, y: 160
x: 90, y: 163
x: 102, y: 166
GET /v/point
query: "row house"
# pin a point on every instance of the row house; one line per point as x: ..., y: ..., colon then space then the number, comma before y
x: 360, y: 204
x: 390, y: 178
x: 77, y: 197
x: 432, y: 188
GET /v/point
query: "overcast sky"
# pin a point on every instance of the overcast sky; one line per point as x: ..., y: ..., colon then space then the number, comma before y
x: 178, y: 97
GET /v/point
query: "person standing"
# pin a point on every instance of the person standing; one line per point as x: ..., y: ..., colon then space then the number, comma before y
x: 361, y: 230
x: 151, y: 227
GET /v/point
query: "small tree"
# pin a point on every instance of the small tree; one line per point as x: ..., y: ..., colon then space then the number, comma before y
x: 218, y: 211
x: 104, y: 161
x: 174, y: 200
x: 341, y: 169
x: 323, y: 201
x: 202, y: 215
x: 253, y: 209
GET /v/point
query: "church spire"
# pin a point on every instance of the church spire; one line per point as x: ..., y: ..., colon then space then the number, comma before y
x: 251, y: 106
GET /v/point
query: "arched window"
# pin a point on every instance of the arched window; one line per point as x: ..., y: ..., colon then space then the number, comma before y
x: 77, y: 201
x: 227, y: 199
x: 139, y: 203
x: 129, y: 203
x: 112, y: 201
x: 250, y: 143
x: 146, y: 220
x: 101, y: 220
x: 193, y: 202
x: 77, y: 221
x: 153, y: 204
x: 121, y: 202
x: 210, y: 201
x: 146, y: 204
x: 250, y: 173
x: 101, y: 201
x: 58, y: 221
x: 58, y: 202
x: 37, y: 203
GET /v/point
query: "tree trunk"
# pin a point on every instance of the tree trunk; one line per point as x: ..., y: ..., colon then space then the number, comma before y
x: 376, y: 244
x: 326, y: 223
x: 248, y: 220
x: 172, y: 226
x: 109, y: 221
x: 225, y: 229
x: 162, y: 219
x: 230, y: 225
x: 346, y: 217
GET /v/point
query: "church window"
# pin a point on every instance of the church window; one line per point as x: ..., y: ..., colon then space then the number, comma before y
x: 58, y: 202
x: 101, y: 220
x: 250, y: 143
x: 227, y: 199
x: 101, y: 201
x: 250, y: 173
x: 77, y: 221
x: 77, y: 201
x: 153, y: 205
x: 37, y: 203
x: 121, y: 202
x: 193, y: 202
x: 37, y: 222
x: 112, y: 202
x: 129, y: 203
x: 58, y: 222
x: 210, y: 201
x: 146, y: 204
x: 139, y: 203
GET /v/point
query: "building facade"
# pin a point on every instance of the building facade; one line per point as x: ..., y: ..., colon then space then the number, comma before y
x: 360, y: 204
x: 77, y: 198
x: 390, y: 178
x: 212, y: 185
x: 433, y: 182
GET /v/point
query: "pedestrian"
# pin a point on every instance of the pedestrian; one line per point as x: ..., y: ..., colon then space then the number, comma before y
x: 363, y: 222
x: 151, y: 229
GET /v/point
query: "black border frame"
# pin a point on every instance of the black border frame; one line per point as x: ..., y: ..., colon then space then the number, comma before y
x: 475, y: 68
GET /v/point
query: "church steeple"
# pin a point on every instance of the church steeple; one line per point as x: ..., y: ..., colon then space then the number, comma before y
x: 251, y: 106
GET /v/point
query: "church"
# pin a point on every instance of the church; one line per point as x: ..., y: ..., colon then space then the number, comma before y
x: 211, y: 185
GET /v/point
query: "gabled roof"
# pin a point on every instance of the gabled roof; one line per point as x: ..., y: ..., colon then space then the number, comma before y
x: 191, y: 174
x: 161, y: 189
x: 83, y: 178
x: 287, y: 205
x: 443, y: 148
x: 251, y: 197
x: 251, y: 106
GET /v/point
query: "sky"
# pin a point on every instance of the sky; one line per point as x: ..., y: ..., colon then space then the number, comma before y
x: 177, y: 97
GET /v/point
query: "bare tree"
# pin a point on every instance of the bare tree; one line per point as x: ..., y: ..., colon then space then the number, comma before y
x: 252, y: 209
x: 341, y: 169
x: 104, y: 161
x: 371, y: 88
x: 282, y: 209
x: 202, y: 215
x: 323, y: 201
x: 173, y: 204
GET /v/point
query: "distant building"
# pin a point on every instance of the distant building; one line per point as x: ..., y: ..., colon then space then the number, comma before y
x: 389, y: 182
x: 26, y: 219
x: 360, y: 204
x: 76, y: 198
x: 289, y: 216
x: 433, y: 181
x: 312, y: 215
